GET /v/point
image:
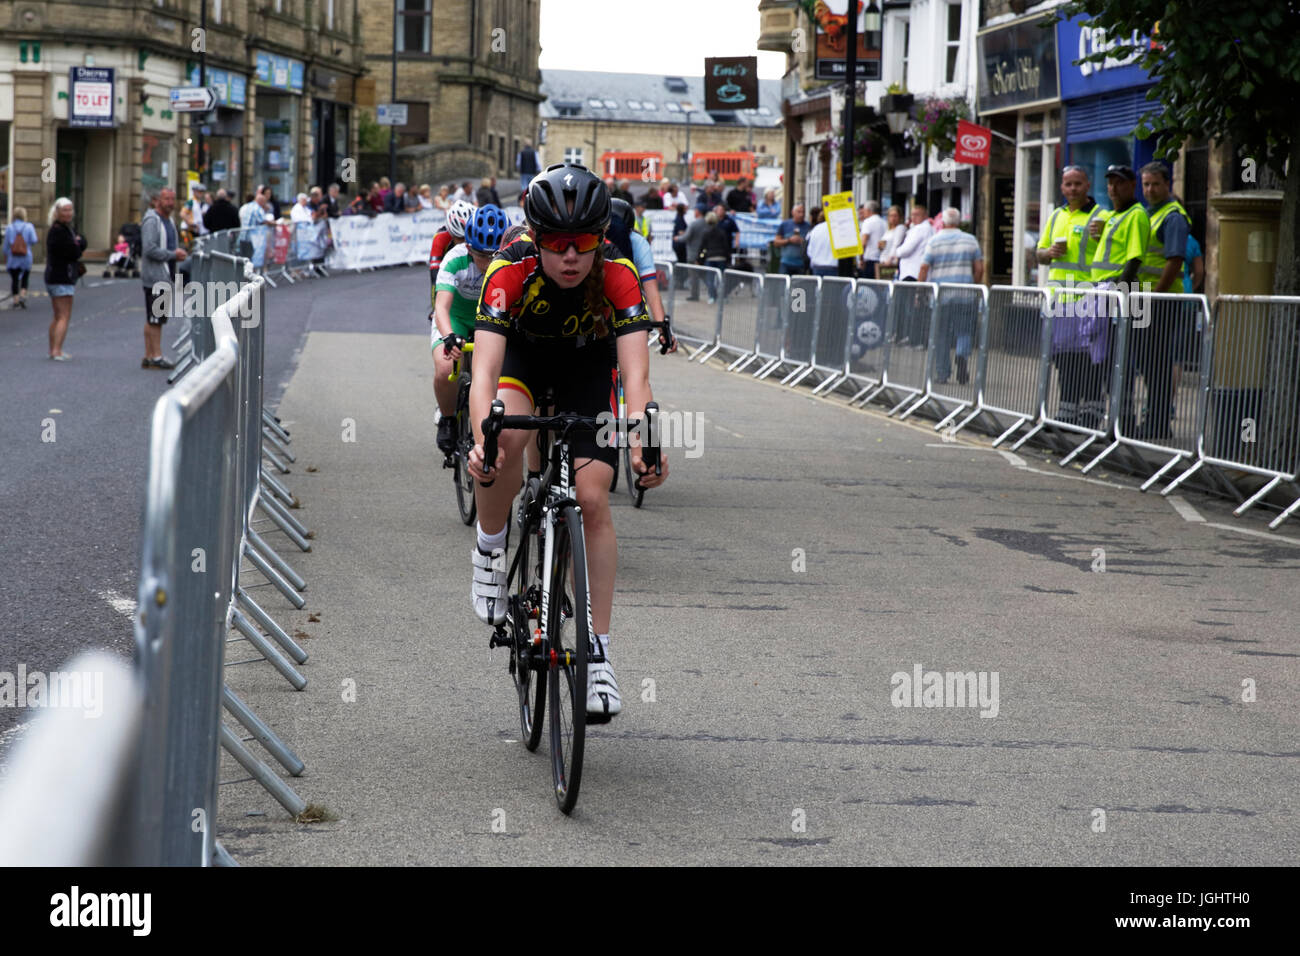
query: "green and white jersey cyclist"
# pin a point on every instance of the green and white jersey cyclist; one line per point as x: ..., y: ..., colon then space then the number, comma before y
x: 456, y: 294
x: 561, y: 310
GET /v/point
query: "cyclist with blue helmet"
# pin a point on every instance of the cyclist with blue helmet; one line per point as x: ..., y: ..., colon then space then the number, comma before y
x: 456, y: 291
x: 622, y: 232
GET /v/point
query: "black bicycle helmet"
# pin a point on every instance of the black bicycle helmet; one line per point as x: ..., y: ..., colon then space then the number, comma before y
x: 567, y: 198
x: 622, y: 210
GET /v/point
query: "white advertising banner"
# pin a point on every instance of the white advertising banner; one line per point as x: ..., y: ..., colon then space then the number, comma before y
x: 365, y: 242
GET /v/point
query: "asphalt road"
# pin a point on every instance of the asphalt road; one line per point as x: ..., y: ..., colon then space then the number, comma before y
x: 771, y: 597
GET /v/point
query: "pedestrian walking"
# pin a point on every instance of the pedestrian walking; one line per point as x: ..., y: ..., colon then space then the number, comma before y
x: 160, y: 256
x: 194, y: 209
x: 527, y: 165
x: 19, y: 241
x: 679, y: 233
x: 791, y: 239
x: 715, y: 250
x: 950, y: 256
x: 1080, y: 342
x: 873, y: 231
x: 63, y: 249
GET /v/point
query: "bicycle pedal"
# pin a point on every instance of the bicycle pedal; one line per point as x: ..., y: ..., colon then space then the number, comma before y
x: 596, y: 719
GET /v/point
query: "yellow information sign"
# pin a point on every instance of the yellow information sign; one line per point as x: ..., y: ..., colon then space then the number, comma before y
x: 842, y: 222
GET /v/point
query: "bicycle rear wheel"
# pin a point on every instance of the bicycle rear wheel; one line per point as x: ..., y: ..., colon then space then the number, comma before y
x: 464, y: 445
x: 629, y: 478
x: 569, y: 634
x: 525, y: 608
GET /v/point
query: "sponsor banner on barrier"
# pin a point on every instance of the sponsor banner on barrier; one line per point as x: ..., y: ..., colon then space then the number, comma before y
x: 755, y: 233
x: 363, y: 242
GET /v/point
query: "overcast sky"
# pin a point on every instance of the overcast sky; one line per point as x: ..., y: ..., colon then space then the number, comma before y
x: 667, y: 36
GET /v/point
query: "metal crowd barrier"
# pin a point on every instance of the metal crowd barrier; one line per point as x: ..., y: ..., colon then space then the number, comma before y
x: 959, y: 316
x: 831, y: 333
x: 697, y: 324
x: 907, y: 346
x: 140, y: 786
x: 801, y: 326
x: 867, y: 336
x: 1249, y: 414
x: 738, y: 331
x: 769, y: 340
x: 1009, y: 379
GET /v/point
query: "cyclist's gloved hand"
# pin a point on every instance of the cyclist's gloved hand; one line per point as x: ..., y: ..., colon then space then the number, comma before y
x: 646, y: 474
x: 451, y: 345
x: 476, y: 465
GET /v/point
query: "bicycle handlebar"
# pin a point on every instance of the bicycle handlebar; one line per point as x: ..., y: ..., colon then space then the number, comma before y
x: 497, y: 419
x: 455, y: 341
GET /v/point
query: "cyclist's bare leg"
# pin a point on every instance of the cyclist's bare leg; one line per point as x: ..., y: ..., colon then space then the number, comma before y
x: 443, y: 390
x: 593, y: 479
x: 494, y: 502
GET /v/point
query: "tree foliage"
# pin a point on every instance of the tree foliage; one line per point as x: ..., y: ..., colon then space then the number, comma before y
x: 1225, y: 70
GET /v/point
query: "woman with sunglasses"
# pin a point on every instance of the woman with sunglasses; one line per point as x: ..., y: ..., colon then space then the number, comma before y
x: 563, y: 310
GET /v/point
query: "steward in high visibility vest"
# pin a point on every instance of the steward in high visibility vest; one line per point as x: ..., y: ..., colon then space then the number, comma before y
x: 1124, y: 238
x: 1070, y: 226
x: 641, y: 224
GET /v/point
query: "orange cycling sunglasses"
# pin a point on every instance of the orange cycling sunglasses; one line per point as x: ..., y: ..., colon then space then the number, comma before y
x: 560, y: 241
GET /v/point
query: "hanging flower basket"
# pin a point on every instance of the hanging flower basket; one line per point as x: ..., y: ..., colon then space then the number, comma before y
x: 936, y: 121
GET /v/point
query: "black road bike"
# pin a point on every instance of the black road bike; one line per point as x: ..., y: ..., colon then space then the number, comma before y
x: 464, y: 431
x: 548, y: 622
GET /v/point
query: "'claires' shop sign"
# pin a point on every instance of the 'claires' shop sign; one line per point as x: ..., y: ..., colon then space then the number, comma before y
x: 1118, y: 71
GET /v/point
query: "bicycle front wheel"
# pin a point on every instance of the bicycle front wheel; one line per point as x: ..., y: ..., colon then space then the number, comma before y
x: 464, y: 445
x: 525, y: 606
x: 569, y: 634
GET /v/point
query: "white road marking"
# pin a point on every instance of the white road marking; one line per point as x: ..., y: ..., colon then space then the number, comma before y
x: 1185, y: 509
x: 1253, y: 532
x: 122, y: 605
x: 1013, y: 459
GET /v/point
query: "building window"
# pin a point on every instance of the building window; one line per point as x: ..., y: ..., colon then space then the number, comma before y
x: 573, y: 154
x: 329, y: 14
x: 413, y: 26
x: 672, y: 107
x: 907, y: 48
x: 952, y: 47
x: 813, y: 180
x: 216, y: 11
x: 595, y: 104
x: 633, y: 105
x: 501, y: 152
x: 647, y: 105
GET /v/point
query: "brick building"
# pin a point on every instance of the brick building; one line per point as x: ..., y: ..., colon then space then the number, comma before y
x: 589, y: 114
x: 467, y: 72
x: 85, y: 106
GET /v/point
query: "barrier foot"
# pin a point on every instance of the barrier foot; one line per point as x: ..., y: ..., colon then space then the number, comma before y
x: 269, y: 281
x: 830, y: 384
x: 740, y: 363
x: 276, y: 463
x: 272, y: 575
x: 976, y: 414
x: 270, y: 436
x: 1290, y: 510
x: 181, y: 368
x: 691, y: 357
x: 259, y: 641
x: 799, y: 377
x: 1096, y: 461
x: 220, y: 857
x: 285, y: 522
x: 867, y: 400
x: 1160, y: 474
x: 793, y: 372
x: 921, y: 402
x: 281, y: 565
x: 279, y: 490
x: 273, y: 423
x: 263, y: 774
x: 951, y: 415
x: 1183, y: 477
x: 1253, y: 499
x: 282, y: 638
x: 712, y: 352
x: 1028, y: 435
x: 276, y: 747
x: 768, y: 369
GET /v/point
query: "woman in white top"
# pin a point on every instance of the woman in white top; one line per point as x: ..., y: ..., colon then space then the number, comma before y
x: 894, y: 233
x: 426, y: 197
x: 442, y: 200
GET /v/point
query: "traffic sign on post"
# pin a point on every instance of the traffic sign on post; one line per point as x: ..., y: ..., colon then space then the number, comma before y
x: 193, y: 99
x: 391, y: 114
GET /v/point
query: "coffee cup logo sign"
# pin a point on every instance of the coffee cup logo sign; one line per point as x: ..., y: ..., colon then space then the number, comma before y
x: 731, y: 83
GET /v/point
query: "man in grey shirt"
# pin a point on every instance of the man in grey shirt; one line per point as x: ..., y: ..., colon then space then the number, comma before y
x: 694, y: 239
x: 159, y: 255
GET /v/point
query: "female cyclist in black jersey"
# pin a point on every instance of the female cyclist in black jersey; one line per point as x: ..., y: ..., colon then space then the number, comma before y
x: 562, y: 310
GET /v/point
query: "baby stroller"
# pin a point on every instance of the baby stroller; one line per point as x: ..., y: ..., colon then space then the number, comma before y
x: 131, y: 264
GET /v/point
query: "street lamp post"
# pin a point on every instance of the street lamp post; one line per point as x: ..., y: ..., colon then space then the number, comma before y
x: 688, y: 109
x: 392, y: 98
x: 871, y: 24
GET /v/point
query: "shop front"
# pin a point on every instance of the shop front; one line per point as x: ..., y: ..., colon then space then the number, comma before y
x: 222, y: 135
x: 1103, y: 101
x: 276, y: 127
x: 1018, y: 97
x: 331, y: 124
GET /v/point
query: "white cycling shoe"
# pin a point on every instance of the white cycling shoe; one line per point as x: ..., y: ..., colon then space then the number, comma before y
x: 603, y: 699
x: 489, y: 588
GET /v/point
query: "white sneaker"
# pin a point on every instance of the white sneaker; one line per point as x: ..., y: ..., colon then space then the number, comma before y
x: 603, y: 699
x: 489, y: 588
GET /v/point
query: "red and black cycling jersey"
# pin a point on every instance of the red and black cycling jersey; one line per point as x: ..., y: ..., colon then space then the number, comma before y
x: 518, y: 296
x: 442, y: 241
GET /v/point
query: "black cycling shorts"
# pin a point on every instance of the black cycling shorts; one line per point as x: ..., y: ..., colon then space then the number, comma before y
x: 584, y: 381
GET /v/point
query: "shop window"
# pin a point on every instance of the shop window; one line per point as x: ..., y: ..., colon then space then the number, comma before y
x: 501, y: 152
